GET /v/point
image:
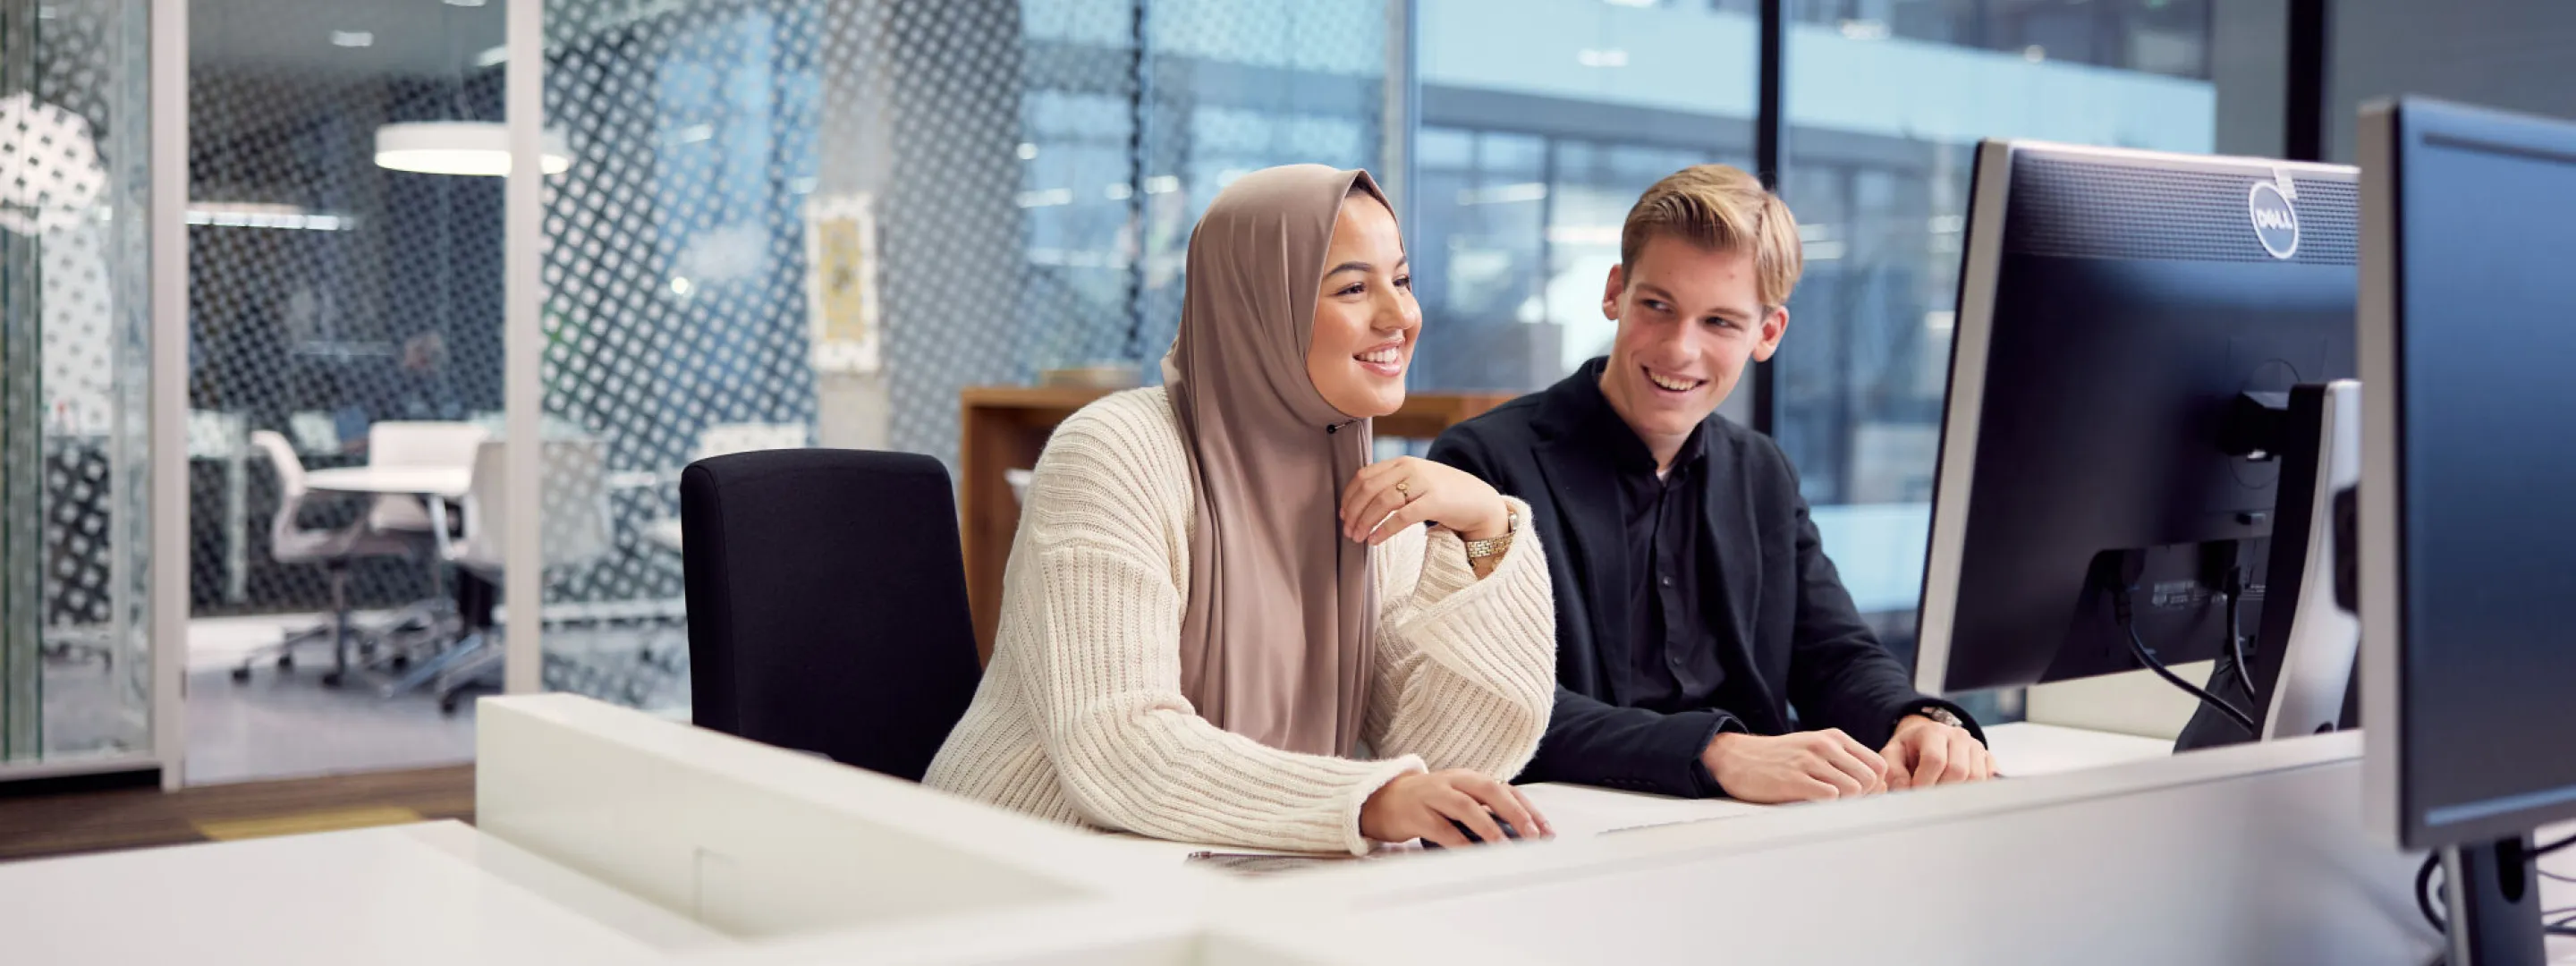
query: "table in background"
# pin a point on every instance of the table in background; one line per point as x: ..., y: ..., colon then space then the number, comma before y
x: 434, y: 485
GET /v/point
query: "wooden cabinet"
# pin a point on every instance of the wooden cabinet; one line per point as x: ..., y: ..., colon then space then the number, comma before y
x: 1006, y: 427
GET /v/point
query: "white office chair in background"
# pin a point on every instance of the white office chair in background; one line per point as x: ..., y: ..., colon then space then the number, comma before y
x: 219, y: 437
x: 721, y: 439
x: 574, y: 529
x: 396, y: 443
x: 334, y: 549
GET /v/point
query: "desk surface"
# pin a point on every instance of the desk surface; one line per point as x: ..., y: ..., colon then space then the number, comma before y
x: 1580, y: 812
x: 435, y: 894
x: 422, y: 480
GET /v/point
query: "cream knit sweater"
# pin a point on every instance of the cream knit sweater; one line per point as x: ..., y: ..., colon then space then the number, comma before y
x: 1080, y: 717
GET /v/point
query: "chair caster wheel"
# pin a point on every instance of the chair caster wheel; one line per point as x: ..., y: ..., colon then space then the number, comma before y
x: 447, y: 705
x: 241, y: 674
x: 286, y: 662
x: 401, y: 661
x: 331, y: 679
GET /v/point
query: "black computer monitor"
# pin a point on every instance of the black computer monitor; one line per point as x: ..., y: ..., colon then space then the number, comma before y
x: 2468, y: 500
x: 2119, y: 312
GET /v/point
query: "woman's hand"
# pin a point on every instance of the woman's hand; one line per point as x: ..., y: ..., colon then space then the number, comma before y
x: 1384, y: 498
x: 1421, y: 806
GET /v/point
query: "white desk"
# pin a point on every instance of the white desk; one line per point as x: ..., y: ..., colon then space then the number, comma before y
x: 2023, y: 749
x: 2254, y: 853
x: 446, y: 481
x: 435, y: 894
x: 435, y: 485
x: 1582, y: 812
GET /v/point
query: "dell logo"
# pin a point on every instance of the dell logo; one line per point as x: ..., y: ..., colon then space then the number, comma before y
x: 2276, y: 224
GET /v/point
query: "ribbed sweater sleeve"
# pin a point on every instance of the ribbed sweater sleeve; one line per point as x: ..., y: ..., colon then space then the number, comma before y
x: 1466, y: 667
x: 1094, y: 600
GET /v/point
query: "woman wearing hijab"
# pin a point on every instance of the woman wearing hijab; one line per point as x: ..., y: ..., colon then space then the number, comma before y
x: 1221, y: 622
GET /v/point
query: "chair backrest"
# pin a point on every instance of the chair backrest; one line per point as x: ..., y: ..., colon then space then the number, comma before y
x: 398, y: 443
x: 572, y: 502
x: 282, y: 459
x: 726, y: 439
x: 827, y: 603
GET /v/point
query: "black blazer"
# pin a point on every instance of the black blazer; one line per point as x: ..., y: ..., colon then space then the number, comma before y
x: 1780, y: 607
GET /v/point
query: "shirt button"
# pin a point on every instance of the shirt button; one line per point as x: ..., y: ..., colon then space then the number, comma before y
x: 1668, y: 581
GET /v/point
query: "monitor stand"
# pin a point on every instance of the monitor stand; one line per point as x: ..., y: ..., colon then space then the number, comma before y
x: 2491, y: 891
x: 2303, y: 663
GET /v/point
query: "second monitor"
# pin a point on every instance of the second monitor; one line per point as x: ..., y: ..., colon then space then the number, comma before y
x: 2129, y: 330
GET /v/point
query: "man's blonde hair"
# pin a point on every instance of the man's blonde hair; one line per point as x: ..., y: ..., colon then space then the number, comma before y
x: 1724, y: 209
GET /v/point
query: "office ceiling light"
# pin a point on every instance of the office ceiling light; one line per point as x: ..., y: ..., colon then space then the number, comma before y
x: 1504, y: 194
x: 352, y: 38
x: 1865, y: 30
x: 244, y: 214
x: 463, y: 147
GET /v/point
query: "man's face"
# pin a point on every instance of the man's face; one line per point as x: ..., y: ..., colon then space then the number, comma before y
x: 1689, y: 319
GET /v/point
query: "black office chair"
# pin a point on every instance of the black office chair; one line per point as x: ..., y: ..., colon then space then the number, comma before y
x: 827, y: 603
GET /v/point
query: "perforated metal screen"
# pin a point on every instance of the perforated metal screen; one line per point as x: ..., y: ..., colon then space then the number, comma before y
x: 1018, y: 185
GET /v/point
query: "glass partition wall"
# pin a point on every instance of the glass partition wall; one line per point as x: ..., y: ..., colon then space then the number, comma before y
x: 794, y: 224
x: 764, y: 224
x: 76, y: 670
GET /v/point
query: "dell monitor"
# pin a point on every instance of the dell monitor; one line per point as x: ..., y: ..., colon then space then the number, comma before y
x: 2134, y: 332
x: 2468, y: 502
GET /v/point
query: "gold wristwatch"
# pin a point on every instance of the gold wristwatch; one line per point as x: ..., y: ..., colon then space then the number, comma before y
x: 1481, y: 549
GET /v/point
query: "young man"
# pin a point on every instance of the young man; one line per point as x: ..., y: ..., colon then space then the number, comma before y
x: 1695, y: 605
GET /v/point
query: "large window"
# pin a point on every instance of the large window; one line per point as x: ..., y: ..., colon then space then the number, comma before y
x: 1885, y: 101
x: 2505, y: 54
x: 1541, y: 121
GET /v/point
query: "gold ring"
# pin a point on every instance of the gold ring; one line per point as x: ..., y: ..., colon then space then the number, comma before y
x: 1402, y: 485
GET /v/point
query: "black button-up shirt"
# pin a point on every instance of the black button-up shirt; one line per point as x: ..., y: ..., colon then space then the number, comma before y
x: 1670, y: 662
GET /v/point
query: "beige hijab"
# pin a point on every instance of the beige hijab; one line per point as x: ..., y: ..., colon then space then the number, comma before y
x: 1275, y: 641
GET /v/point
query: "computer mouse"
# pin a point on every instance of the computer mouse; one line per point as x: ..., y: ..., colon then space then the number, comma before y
x: 1508, y: 832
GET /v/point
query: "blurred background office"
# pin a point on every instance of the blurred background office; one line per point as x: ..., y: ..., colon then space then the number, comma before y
x: 782, y: 223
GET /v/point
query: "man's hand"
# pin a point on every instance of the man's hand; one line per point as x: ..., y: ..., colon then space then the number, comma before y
x: 1926, y: 752
x: 1801, y: 767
